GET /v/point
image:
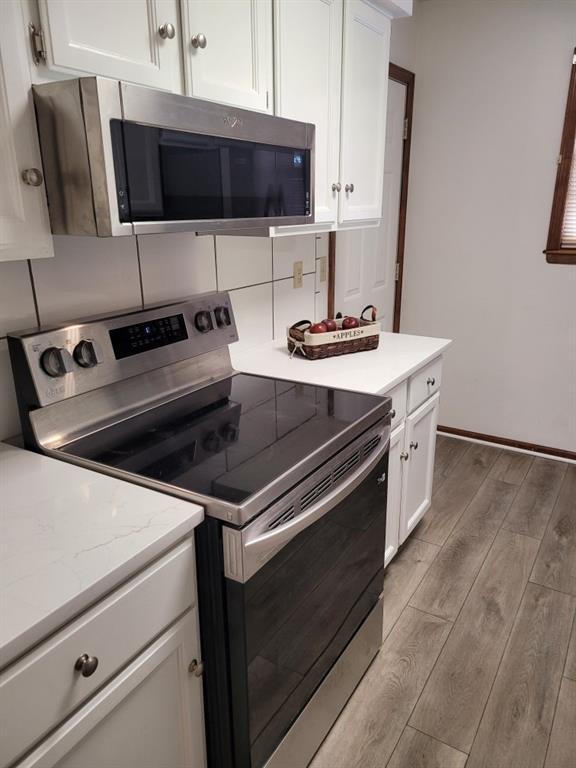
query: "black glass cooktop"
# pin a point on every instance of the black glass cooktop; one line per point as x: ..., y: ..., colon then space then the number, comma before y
x: 230, y: 439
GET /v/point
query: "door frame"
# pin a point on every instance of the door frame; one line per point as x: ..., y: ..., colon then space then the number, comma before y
x: 407, y: 78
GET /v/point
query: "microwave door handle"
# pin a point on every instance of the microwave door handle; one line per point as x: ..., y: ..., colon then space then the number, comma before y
x: 274, y: 540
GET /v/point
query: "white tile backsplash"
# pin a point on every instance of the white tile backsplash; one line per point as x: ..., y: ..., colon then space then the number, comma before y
x: 87, y: 276
x: 287, y: 250
x: 175, y: 266
x: 243, y: 261
x: 253, y: 312
x: 9, y: 420
x: 90, y: 275
x: 292, y: 304
x: 16, y: 298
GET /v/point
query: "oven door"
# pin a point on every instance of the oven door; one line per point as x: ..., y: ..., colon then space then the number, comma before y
x: 298, y: 589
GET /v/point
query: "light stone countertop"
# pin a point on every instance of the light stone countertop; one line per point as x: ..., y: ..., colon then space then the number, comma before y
x: 68, y: 536
x: 375, y: 371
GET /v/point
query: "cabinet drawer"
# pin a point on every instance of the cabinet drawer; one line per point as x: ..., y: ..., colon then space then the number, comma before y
x: 43, y: 688
x: 424, y: 383
x: 398, y: 395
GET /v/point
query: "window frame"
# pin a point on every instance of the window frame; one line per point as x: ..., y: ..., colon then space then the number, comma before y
x: 555, y: 253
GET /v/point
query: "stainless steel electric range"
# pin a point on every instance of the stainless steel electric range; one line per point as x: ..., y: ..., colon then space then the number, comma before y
x: 293, y: 481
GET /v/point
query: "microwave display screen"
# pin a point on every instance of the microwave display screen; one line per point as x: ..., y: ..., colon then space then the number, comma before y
x: 168, y: 175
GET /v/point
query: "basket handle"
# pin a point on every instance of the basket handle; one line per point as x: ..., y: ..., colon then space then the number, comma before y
x: 374, y: 313
x: 297, y: 325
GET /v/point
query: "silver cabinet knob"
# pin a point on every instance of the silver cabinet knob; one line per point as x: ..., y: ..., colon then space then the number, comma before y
x: 336, y: 187
x: 349, y: 188
x: 431, y: 381
x: 196, y: 668
x: 166, y: 31
x: 86, y: 665
x: 404, y: 455
x: 199, y: 41
x: 393, y: 413
x: 414, y: 445
x: 33, y: 177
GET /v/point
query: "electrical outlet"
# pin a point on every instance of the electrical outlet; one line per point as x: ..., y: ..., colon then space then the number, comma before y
x: 298, y: 274
x: 323, y: 268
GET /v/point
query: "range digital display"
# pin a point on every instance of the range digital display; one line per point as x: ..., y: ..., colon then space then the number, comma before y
x: 141, y: 337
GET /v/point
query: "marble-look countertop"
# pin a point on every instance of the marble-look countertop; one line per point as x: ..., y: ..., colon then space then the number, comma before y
x: 376, y: 371
x: 67, y: 537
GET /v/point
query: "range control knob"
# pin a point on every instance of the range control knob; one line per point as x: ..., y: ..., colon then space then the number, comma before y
x: 203, y: 321
x: 212, y: 442
x: 88, y: 353
x: 56, y: 361
x: 229, y: 432
x: 222, y: 316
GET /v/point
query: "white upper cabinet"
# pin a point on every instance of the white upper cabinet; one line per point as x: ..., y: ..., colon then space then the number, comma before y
x: 308, y: 61
x: 228, y: 51
x: 366, y: 51
x: 24, y: 224
x: 133, y: 40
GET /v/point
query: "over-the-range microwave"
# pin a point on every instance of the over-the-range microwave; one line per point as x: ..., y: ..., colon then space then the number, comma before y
x: 122, y: 159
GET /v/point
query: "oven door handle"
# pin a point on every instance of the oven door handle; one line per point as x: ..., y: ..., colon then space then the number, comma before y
x: 264, y: 546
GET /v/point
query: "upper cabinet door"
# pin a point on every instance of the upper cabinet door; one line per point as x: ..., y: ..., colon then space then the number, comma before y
x: 133, y: 40
x: 24, y: 225
x: 228, y: 51
x: 364, y: 90
x: 308, y: 62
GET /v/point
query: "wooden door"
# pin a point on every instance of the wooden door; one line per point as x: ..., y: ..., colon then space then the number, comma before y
x: 420, y: 443
x: 308, y: 60
x: 228, y: 51
x: 364, y: 90
x: 120, y: 39
x: 150, y: 715
x: 24, y: 224
x: 393, y: 504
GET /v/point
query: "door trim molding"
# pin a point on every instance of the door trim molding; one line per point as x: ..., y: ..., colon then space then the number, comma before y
x: 560, y: 453
x: 407, y: 78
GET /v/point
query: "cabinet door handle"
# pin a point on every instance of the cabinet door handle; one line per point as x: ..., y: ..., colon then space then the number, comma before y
x: 166, y: 31
x: 196, y: 668
x: 86, y: 665
x: 392, y: 413
x: 199, y: 40
x: 414, y: 445
x: 430, y: 381
x: 33, y: 177
x: 336, y: 187
x: 405, y: 455
x: 349, y: 188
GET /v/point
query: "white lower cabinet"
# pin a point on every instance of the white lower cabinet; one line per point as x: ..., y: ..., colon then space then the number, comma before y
x: 419, y: 444
x: 148, y: 716
x: 394, y: 493
x: 410, y: 462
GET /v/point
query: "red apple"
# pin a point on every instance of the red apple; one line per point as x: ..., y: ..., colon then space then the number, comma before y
x: 350, y: 322
x: 331, y: 325
x: 318, y: 328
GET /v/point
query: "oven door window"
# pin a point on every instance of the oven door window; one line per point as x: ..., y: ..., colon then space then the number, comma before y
x: 167, y: 175
x: 300, y: 611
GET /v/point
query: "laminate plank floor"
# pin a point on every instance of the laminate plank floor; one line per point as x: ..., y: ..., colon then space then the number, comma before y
x: 478, y: 665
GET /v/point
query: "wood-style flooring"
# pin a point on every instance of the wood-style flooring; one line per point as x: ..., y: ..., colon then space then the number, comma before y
x: 478, y: 665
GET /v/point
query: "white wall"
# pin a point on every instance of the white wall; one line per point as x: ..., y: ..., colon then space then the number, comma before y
x: 90, y: 276
x: 491, y: 86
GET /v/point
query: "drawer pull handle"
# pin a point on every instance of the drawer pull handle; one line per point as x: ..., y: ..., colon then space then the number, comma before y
x: 414, y: 445
x: 392, y: 413
x: 86, y: 665
x: 431, y: 381
x: 405, y: 455
x: 196, y: 668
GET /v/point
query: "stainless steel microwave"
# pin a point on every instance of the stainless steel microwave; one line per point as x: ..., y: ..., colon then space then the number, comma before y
x: 121, y: 159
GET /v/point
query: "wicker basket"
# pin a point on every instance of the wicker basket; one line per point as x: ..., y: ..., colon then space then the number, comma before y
x: 316, y: 346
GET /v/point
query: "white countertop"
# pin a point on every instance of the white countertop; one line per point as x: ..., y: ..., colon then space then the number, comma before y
x: 375, y: 371
x: 67, y: 537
